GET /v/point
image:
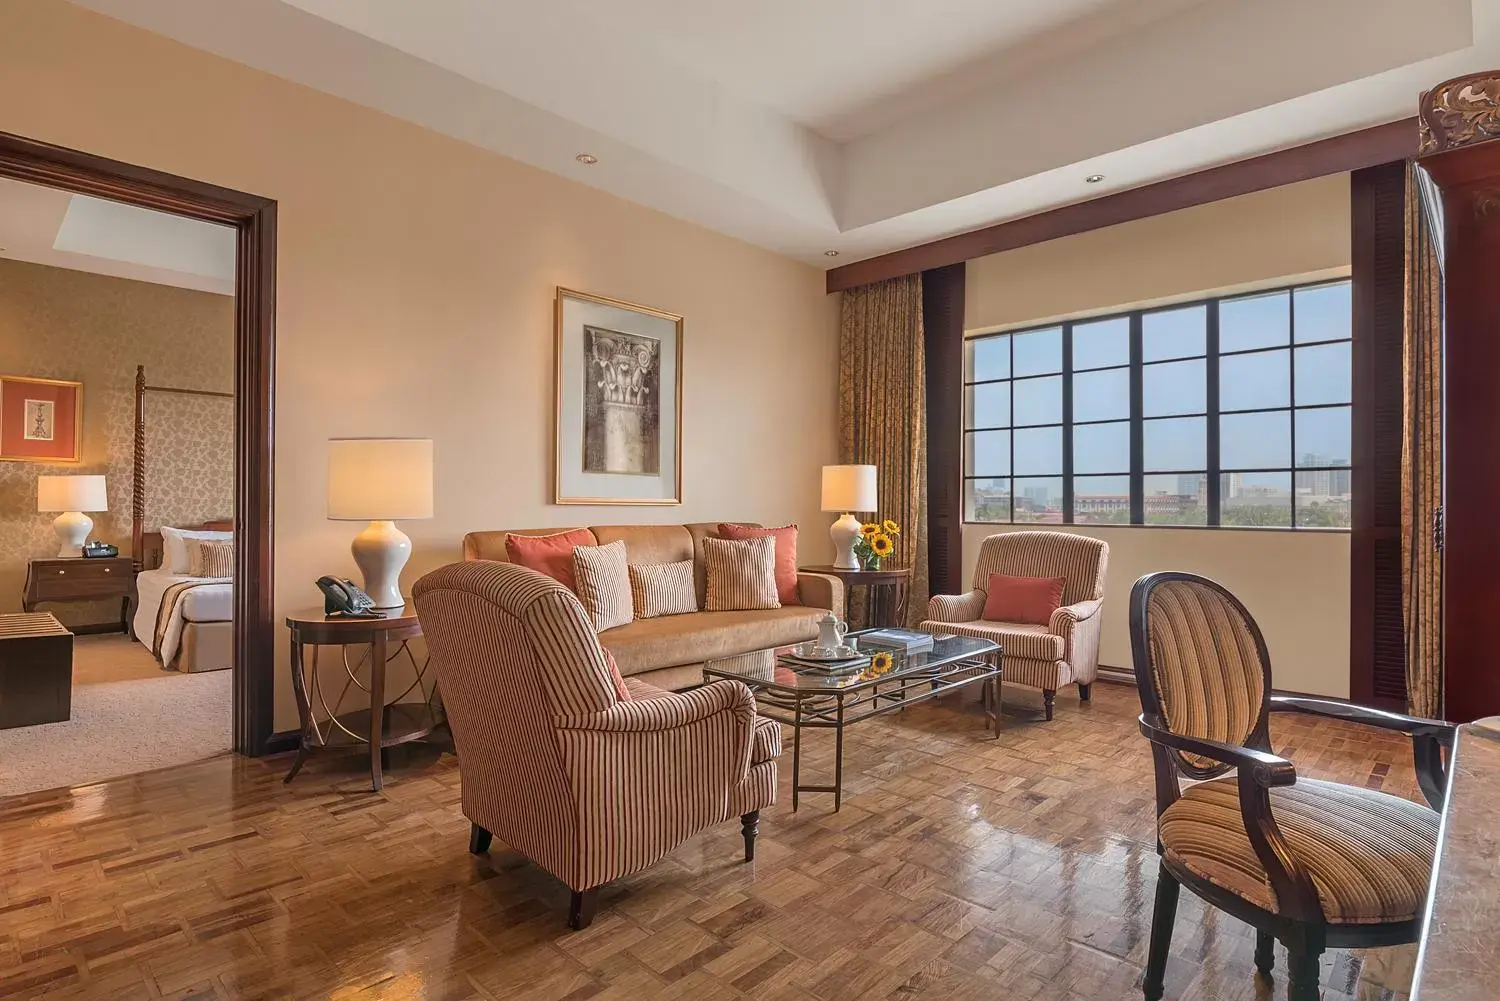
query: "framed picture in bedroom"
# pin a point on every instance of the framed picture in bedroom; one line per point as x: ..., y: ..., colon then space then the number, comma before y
x: 619, y: 402
x: 41, y: 420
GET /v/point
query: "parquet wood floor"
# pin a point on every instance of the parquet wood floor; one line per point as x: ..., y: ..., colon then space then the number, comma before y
x: 960, y: 868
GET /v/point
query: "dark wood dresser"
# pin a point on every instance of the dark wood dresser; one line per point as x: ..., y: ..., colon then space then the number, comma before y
x: 36, y: 670
x: 80, y: 579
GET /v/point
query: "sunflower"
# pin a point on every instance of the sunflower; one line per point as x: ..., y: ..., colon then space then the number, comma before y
x: 890, y: 527
x: 868, y: 529
x: 881, y: 545
x: 880, y: 662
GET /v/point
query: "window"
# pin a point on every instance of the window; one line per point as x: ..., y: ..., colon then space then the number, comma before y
x: 1233, y: 411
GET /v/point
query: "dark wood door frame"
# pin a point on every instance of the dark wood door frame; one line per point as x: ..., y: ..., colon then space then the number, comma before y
x: 1339, y: 154
x: 254, y: 220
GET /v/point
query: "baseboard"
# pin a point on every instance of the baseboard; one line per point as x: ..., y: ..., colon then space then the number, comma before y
x: 1116, y: 675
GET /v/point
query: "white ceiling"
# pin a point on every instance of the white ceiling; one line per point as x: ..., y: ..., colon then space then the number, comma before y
x: 857, y: 125
x: 46, y: 226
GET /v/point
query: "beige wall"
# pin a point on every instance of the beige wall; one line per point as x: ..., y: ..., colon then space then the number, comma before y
x: 415, y: 281
x: 1295, y: 584
x: 60, y: 324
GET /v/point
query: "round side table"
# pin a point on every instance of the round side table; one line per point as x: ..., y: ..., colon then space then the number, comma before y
x: 886, y: 592
x: 383, y: 724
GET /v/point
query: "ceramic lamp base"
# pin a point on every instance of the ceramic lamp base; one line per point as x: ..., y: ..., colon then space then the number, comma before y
x: 72, y: 530
x: 843, y: 533
x: 380, y: 551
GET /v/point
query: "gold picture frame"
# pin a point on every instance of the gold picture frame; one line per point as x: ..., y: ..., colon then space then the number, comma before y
x: 41, y: 420
x: 614, y: 364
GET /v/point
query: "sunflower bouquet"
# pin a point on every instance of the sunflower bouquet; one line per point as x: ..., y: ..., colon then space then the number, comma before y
x: 877, y: 540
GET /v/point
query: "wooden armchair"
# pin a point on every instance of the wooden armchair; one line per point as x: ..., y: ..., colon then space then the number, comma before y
x: 1313, y: 864
x: 589, y: 786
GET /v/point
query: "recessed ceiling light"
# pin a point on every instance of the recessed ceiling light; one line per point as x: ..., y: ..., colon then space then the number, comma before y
x: 830, y: 253
x: 588, y: 159
x: 1093, y: 179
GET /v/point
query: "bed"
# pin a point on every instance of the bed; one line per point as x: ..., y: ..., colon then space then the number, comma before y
x: 186, y: 622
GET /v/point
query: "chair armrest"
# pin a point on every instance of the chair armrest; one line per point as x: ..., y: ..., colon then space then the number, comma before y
x: 677, y: 709
x: 1257, y: 772
x: 966, y: 607
x: 1066, y: 617
x: 1429, y: 737
x: 816, y: 590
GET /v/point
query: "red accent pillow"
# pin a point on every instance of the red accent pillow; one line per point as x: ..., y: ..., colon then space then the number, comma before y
x: 621, y: 692
x: 786, y: 555
x: 1023, y: 599
x: 549, y: 554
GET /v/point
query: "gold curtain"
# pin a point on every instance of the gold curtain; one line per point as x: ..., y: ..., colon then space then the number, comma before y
x: 883, y: 412
x: 1421, y: 466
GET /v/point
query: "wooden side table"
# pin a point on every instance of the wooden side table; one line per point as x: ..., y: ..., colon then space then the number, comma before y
x: 36, y: 670
x: 384, y: 724
x: 79, y: 579
x: 886, y: 592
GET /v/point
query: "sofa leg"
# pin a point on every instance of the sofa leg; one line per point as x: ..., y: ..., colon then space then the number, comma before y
x: 750, y: 827
x: 479, y: 840
x: 1048, y: 697
x: 1085, y: 692
x: 581, y: 908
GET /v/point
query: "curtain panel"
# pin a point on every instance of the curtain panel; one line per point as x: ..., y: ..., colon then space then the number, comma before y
x: 883, y: 412
x: 1421, y: 467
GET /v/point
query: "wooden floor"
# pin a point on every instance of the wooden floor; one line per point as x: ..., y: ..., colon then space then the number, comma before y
x: 959, y: 868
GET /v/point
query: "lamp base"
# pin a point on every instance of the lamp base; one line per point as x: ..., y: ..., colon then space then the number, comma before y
x: 380, y: 551
x: 843, y: 533
x: 72, y: 528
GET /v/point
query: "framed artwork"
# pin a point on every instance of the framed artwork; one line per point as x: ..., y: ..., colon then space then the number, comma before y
x: 619, y: 402
x: 41, y: 420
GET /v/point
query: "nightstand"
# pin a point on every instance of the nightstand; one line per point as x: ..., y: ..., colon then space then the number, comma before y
x: 80, y: 579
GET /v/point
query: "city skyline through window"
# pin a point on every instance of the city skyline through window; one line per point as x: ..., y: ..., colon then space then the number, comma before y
x: 1231, y: 411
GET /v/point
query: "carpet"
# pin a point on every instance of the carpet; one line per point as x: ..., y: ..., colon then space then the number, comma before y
x: 120, y: 728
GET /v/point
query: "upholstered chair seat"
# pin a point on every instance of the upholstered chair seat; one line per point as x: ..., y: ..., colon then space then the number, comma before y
x: 1065, y: 651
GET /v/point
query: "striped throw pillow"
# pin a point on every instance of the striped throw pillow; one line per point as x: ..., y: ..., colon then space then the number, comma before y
x: 741, y: 574
x: 210, y: 558
x: 662, y: 589
x: 603, y: 584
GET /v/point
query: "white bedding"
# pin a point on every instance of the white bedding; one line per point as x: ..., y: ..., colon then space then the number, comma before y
x: 213, y: 602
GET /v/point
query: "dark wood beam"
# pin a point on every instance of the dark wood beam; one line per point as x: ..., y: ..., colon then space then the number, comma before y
x: 1352, y: 151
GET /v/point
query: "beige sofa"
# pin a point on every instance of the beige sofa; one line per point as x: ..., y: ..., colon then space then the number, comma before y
x: 669, y: 651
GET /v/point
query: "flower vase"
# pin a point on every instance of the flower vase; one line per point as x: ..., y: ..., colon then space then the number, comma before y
x: 871, y: 562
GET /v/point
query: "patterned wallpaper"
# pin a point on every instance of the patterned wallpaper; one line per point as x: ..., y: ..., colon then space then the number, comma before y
x: 61, y: 324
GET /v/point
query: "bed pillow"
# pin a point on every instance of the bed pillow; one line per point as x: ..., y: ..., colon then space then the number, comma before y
x: 786, y: 554
x: 741, y: 574
x: 1030, y: 600
x: 603, y: 584
x: 210, y: 558
x: 174, y: 546
x: 549, y: 554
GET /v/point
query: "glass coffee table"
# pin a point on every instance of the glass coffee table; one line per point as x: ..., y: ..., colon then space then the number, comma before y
x: 805, y: 698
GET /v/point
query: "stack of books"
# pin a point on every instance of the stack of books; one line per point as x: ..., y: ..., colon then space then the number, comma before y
x: 908, y: 641
x: 855, y: 663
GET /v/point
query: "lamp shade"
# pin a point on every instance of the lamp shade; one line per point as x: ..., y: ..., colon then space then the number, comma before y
x: 849, y: 488
x: 379, y: 479
x: 71, y: 493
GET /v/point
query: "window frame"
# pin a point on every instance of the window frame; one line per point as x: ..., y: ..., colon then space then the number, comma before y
x: 1136, y: 418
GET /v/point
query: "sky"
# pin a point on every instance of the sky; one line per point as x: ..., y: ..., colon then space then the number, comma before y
x: 1172, y: 384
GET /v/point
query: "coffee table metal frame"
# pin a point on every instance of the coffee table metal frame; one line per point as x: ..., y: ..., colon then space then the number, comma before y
x: 835, y: 707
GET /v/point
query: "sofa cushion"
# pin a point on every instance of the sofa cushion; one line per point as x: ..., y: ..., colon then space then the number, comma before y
x: 673, y: 640
x: 1017, y: 639
x: 491, y: 545
x: 1022, y: 599
x: 603, y: 584
x: 699, y: 531
x: 648, y: 543
x: 786, y: 554
x: 548, y: 554
x: 662, y: 589
x: 741, y: 574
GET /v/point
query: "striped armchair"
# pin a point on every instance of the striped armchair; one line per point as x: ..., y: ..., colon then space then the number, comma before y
x: 1066, y: 650
x: 587, y: 785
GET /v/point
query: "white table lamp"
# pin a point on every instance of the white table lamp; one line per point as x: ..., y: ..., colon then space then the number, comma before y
x: 847, y: 489
x: 72, y: 495
x: 380, y: 480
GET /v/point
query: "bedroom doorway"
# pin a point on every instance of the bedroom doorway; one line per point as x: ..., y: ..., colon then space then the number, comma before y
x: 246, y: 640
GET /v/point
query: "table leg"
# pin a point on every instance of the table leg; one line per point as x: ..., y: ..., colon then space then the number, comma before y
x: 796, y: 752
x: 125, y: 615
x: 377, y: 706
x: 903, y: 596
x: 304, y: 709
x: 838, y: 757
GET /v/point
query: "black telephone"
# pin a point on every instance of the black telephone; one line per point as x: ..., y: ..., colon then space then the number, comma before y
x: 97, y: 549
x: 344, y: 598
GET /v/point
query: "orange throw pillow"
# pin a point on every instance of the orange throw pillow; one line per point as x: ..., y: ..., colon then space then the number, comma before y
x: 621, y: 692
x: 549, y: 554
x: 786, y: 554
x: 1031, y: 600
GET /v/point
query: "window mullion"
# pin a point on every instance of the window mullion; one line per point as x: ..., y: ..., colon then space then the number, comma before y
x: 1137, y: 426
x: 1067, y: 406
x: 1211, y: 368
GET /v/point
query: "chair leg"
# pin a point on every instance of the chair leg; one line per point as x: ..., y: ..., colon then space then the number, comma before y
x: 1161, y: 934
x: 479, y: 840
x: 1302, y: 967
x: 1085, y: 692
x: 750, y: 827
x: 1265, y: 954
x: 581, y: 908
x: 1047, y: 699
